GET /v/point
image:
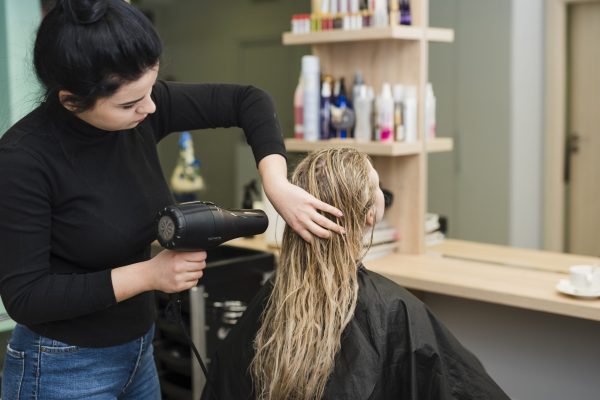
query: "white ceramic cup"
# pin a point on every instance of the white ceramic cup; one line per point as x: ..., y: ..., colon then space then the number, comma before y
x: 585, y: 277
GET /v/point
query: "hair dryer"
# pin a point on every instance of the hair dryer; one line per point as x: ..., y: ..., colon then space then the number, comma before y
x: 200, y: 225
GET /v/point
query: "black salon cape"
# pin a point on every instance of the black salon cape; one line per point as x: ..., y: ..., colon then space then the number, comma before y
x: 394, y: 348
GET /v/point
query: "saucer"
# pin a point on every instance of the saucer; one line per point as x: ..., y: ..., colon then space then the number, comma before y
x: 564, y: 286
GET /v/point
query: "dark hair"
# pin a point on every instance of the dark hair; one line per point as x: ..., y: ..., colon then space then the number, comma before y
x: 91, y: 47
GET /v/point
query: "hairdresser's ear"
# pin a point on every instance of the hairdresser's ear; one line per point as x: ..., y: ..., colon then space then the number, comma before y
x: 370, y: 219
x: 63, y: 97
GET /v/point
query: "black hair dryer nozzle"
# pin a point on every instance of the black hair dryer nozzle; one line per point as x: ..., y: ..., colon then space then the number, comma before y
x: 200, y: 225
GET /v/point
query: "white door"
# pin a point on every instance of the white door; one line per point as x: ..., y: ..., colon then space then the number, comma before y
x: 583, y: 236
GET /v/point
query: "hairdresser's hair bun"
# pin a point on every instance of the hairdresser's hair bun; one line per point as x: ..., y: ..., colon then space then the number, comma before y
x: 84, y: 11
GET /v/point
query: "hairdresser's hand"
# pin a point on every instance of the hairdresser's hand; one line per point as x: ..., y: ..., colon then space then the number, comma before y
x: 175, y: 271
x: 169, y: 271
x: 301, y: 211
x: 298, y: 207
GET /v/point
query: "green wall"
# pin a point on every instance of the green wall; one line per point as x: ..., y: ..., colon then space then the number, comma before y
x: 238, y: 41
x: 19, y: 90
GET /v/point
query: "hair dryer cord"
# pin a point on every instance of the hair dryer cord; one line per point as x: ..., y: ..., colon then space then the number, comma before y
x: 173, y: 313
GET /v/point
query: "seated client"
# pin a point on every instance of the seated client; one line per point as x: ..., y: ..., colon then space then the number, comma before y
x: 328, y: 328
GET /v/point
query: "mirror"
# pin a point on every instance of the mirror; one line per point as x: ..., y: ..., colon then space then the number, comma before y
x: 522, y: 170
x: 491, y: 91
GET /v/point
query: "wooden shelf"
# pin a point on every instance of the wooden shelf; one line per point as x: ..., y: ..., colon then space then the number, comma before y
x: 372, y: 148
x: 387, y: 33
x: 439, y: 145
x: 391, y: 54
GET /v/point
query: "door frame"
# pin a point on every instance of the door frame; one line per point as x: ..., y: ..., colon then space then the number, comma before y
x: 555, y: 122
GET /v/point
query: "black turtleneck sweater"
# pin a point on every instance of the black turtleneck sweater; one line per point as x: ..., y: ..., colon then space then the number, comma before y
x: 77, y: 201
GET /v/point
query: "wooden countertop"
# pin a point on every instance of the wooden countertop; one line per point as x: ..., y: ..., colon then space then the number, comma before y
x: 510, y: 256
x: 495, y: 274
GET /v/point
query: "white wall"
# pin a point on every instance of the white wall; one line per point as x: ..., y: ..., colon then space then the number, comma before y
x: 526, y: 136
x: 471, y: 78
x: 531, y: 355
x: 489, y: 85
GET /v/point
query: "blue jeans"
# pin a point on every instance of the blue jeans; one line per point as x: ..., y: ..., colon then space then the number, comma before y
x: 36, y: 367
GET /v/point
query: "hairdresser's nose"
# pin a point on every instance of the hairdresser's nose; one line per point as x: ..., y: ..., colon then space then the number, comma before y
x: 146, y: 106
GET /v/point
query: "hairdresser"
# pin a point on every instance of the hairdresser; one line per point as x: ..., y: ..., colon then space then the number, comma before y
x: 80, y: 186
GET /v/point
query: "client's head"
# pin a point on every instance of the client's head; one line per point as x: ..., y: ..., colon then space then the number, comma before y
x: 344, y: 178
x: 316, y: 287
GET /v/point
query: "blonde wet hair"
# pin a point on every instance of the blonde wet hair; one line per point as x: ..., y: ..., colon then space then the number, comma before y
x: 316, y: 288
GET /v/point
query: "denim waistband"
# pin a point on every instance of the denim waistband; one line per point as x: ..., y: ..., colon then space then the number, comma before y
x: 23, y: 337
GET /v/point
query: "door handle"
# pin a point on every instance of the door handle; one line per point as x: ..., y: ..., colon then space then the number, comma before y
x: 573, y: 142
x: 571, y: 147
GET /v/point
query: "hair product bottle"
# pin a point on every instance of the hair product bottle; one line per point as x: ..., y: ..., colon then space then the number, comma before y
x: 312, y: 97
x: 385, y: 115
x: 341, y: 102
x: 299, y: 110
x: 363, y: 107
x: 356, y: 86
x: 410, y: 108
x: 405, y: 14
x: 380, y: 14
x: 325, y: 110
x: 430, y: 125
x: 399, y: 127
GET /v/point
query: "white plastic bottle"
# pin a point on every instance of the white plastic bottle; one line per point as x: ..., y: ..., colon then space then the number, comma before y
x: 430, y: 125
x: 312, y: 97
x: 299, y: 110
x: 363, y: 108
x: 356, y: 86
x: 380, y: 14
x: 410, y: 116
x: 385, y: 115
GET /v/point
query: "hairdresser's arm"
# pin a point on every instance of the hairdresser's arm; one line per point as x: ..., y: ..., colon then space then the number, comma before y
x: 299, y: 209
x: 31, y: 292
x: 186, y: 106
